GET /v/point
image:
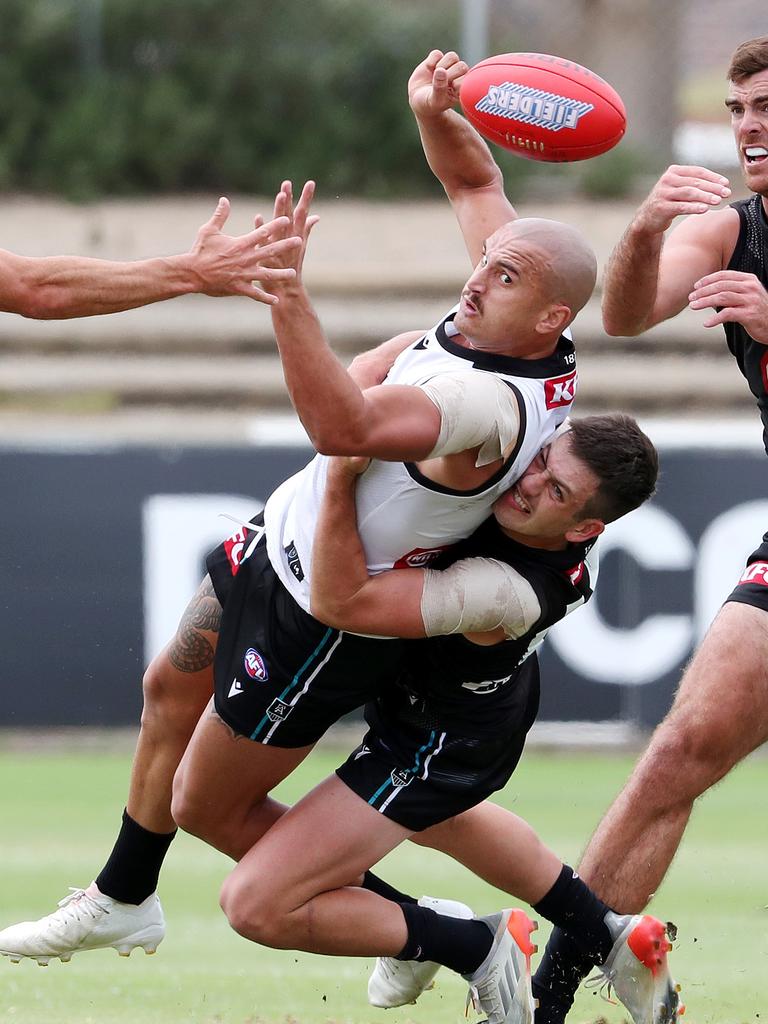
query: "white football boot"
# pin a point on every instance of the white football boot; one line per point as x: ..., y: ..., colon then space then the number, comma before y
x: 397, y: 982
x: 501, y: 986
x: 86, y: 920
x: 637, y: 970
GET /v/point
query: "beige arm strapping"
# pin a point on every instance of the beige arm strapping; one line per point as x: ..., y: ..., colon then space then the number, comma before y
x: 476, y: 410
x: 477, y: 595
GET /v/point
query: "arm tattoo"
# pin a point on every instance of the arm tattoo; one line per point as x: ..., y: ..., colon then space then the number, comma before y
x: 189, y: 650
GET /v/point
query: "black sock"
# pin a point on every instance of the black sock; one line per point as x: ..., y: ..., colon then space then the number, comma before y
x: 559, y: 974
x: 571, y: 905
x: 460, y: 945
x: 131, y: 873
x: 375, y: 884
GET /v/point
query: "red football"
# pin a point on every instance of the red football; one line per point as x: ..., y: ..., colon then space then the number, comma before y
x: 542, y: 107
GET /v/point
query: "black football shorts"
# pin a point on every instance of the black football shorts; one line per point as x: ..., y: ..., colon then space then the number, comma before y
x: 281, y: 677
x: 752, y: 588
x: 418, y: 774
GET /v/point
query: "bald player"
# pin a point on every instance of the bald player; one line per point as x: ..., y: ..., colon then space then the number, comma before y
x: 466, y: 406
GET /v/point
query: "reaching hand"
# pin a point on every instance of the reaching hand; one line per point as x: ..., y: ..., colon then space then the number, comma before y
x: 434, y: 85
x: 681, y: 190
x: 232, y: 264
x: 292, y: 224
x: 741, y: 297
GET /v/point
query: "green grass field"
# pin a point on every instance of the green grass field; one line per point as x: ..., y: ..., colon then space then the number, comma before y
x: 59, y: 814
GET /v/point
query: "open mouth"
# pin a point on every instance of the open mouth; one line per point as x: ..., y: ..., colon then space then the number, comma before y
x: 755, y: 154
x: 469, y: 305
x: 520, y: 501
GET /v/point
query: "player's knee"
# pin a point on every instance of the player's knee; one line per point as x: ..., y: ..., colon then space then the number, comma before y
x: 169, y: 709
x: 251, y: 911
x: 688, y: 754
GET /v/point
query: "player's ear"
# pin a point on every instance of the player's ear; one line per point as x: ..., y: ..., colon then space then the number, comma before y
x: 555, y: 318
x: 585, y: 530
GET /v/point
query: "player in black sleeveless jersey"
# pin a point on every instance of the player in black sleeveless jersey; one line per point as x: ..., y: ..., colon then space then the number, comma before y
x: 712, y: 259
x: 447, y: 729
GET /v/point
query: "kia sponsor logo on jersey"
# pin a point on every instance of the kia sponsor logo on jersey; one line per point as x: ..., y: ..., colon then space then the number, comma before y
x: 560, y: 391
x: 757, y: 572
x: 254, y: 665
x: 420, y: 557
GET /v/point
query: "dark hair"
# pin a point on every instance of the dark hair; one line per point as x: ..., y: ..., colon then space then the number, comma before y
x: 622, y: 458
x: 748, y: 58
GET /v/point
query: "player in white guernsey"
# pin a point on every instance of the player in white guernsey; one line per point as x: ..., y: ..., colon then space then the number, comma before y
x: 531, y: 277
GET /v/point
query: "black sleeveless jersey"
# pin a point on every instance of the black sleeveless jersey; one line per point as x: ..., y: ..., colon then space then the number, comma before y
x: 749, y: 257
x: 476, y: 683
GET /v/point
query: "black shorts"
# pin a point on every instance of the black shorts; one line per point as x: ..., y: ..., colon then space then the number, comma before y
x: 752, y: 588
x: 281, y: 677
x: 418, y: 774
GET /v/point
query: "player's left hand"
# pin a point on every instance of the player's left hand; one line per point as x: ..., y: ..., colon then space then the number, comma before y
x: 742, y: 299
x: 232, y: 264
x: 434, y: 85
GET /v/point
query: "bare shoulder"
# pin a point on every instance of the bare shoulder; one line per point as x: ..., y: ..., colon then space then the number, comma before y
x: 716, y: 231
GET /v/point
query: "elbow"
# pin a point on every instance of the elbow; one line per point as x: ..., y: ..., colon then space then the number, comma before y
x: 34, y: 303
x: 330, y: 613
x: 334, y: 441
x: 616, y: 327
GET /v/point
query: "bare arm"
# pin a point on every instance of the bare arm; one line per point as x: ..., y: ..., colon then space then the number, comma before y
x: 456, y: 153
x: 389, y: 422
x: 61, y: 287
x: 484, y: 599
x: 343, y: 594
x: 371, y: 368
x: 649, y: 279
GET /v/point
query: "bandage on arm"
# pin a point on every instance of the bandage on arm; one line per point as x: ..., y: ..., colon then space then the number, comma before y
x: 477, y: 410
x: 477, y: 595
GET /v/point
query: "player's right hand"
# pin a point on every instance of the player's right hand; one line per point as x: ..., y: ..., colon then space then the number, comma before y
x: 680, y: 190
x: 434, y: 85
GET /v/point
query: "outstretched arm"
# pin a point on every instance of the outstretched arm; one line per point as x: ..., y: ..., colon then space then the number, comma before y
x: 649, y: 279
x: 457, y: 154
x: 61, y: 287
x: 389, y: 422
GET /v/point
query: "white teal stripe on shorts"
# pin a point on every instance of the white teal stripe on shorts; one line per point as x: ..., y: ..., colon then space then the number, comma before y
x: 312, y: 660
x: 388, y: 790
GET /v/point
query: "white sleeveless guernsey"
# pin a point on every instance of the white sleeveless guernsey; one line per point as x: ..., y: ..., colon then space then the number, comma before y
x: 403, y: 518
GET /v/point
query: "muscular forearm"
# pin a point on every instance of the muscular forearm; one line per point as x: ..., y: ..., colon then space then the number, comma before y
x: 456, y: 153
x: 631, y: 282
x: 329, y: 403
x: 339, y: 568
x: 60, y: 287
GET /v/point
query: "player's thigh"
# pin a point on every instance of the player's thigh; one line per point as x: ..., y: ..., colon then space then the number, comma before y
x: 325, y: 841
x: 223, y: 774
x: 721, y: 707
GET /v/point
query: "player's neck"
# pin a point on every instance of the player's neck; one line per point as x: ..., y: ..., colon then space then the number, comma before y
x: 537, y: 543
x: 514, y: 350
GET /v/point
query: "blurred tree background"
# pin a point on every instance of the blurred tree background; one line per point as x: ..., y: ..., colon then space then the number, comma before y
x: 146, y: 96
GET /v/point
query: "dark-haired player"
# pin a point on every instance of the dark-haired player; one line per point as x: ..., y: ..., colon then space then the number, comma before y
x: 446, y: 731
x: 713, y: 259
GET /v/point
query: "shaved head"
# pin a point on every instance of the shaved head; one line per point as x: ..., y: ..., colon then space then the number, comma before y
x: 569, y: 259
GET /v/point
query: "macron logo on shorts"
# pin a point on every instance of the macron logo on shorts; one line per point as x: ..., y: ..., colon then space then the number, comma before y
x: 757, y: 572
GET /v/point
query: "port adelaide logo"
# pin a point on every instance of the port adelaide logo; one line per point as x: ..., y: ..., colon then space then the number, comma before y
x: 533, y: 106
x: 254, y: 665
